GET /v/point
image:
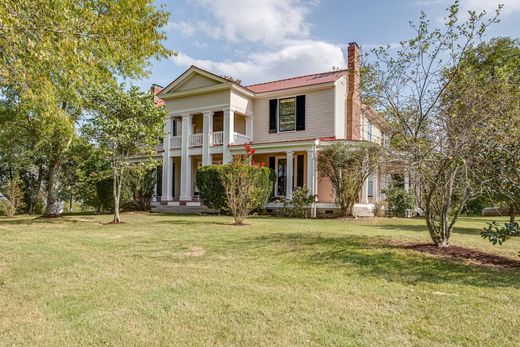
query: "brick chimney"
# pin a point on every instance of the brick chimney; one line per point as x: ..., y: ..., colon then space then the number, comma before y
x: 353, y: 96
x: 156, y: 89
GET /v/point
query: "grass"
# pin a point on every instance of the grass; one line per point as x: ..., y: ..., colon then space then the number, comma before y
x: 191, y: 280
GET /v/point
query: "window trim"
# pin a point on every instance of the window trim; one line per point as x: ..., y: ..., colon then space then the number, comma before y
x: 278, y: 115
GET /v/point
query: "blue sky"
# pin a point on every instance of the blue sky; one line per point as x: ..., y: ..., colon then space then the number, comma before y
x: 262, y: 40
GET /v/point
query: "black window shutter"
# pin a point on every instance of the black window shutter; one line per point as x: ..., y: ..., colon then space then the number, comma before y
x: 301, y: 167
x: 273, y: 105
x: 271, y: 163
x: 300, y: 112
x: 272, y: 167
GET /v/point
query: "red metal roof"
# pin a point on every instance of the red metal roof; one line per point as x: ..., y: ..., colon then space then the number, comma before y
x: 295, y: 82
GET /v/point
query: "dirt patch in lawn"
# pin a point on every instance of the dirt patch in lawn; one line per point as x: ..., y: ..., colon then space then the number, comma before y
x: 196, y: 252
x: 466, y: 254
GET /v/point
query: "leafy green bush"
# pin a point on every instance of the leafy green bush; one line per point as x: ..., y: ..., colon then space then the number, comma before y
x: 138, y: 188
x: 105, y: 195
x: 399, y: 201
x: 497, y: 233
x: 298, y: 207
x: 211, y: 189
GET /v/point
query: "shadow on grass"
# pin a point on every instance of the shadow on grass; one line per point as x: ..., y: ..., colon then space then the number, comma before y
x: 421, y: 228
x: 193, y: 222
x: 39, y: 220
x: 376, y: 257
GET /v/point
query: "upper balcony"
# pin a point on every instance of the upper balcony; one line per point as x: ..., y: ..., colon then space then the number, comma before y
x: 216, y: 130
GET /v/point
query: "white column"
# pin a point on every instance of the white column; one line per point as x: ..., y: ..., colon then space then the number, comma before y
x: 364, y: 192
x: 289, y: 174
x: 229, y: 130
x: 249, y: 128
x: 406, y: 182
x: 206, y: 134
x: 311, y: 173
x: 185, y: 194
x: 166, y: 189
x: 377, y: 194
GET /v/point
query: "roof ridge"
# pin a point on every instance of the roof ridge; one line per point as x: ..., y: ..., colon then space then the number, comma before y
x: 295, y: 77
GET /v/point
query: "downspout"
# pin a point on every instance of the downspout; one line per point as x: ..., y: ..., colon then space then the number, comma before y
x: 315, y: 181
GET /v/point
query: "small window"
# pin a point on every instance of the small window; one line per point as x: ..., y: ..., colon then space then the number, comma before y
x: 287, y: 115
x: 369, y: 130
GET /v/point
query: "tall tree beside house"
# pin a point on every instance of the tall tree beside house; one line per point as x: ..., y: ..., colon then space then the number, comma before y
x: 491, y: 72
x: 125, y: 126
x: 409, y: 86
x: 53, y: 53
x: 348, y: 167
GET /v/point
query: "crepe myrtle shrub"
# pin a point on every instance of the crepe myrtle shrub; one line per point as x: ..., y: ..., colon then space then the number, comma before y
x: 399, y: 200
x: 239, y: 187
x: 347, y: 167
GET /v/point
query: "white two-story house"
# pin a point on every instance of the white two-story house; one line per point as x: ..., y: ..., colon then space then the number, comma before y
x: 287, y: 122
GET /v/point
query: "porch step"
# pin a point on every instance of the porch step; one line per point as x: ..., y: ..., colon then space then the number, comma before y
x: 183, y: 209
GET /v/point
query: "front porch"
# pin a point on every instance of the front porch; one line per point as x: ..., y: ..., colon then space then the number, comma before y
x: 295, y: 165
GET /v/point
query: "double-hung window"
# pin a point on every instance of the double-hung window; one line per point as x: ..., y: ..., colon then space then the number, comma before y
x: 287, y: 115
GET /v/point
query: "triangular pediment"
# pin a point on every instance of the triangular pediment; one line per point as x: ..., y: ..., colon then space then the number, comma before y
x: 192, y: 79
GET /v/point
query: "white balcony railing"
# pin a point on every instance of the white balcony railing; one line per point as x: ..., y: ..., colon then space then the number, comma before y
x: 176, y: 142
x: 240, y: 139
x: 217, y: 138
x: 195, y: 140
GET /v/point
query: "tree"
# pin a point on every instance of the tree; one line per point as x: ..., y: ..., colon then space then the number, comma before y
x: 348, y: 167
x: 54, y: 53
x: 11, y: 196
x: 490, y: 71
x: 125, y: 126
x: 21, y: 150
x: 247, y: 185
x: 435, y: 136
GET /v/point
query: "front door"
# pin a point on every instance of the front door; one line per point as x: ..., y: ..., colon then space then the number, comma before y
x: 281, y: 176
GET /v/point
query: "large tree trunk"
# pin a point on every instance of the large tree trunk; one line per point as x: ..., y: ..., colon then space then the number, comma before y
x: 438, y: 227
x: 35, y: 191
x: 512, y: 213
x: 53, y: 187
x: 118, y: 178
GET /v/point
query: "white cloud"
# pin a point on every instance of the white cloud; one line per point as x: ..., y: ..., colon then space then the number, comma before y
x: 267, y: 21
x: 297, y: 58
x: 510, y: 6
x: 184, y: 28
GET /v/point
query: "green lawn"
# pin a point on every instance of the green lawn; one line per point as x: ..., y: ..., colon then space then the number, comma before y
x: 191, y: 280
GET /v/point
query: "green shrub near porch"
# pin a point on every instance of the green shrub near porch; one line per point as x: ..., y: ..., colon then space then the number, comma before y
x: 213, y: 195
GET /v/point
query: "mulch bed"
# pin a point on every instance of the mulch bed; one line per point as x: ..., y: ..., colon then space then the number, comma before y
x: 466, y: 254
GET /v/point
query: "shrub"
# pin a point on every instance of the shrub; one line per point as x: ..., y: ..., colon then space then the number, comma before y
x: 299, y: 205
x: 497, y: 233
x: 211, y: 189
x: 239, y: 187
x: 247, y: 188
x: 104, y: 194
x: 12, y: 197
x: 399, y: 201
x: 138, y: 188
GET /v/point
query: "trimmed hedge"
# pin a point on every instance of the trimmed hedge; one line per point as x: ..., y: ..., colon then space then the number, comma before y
x: 211, y: 190
x: 213, y: 195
